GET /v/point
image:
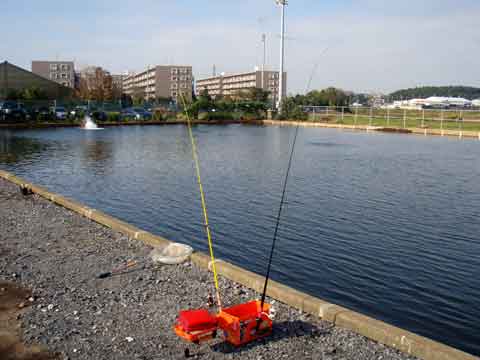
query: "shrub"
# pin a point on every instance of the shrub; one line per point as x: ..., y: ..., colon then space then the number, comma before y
x: 158, y: 115
x: 219, y: 116
x: 292, y: 111
x: 113, y: 116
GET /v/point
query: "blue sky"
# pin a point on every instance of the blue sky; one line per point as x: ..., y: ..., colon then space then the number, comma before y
x: 362, y: 45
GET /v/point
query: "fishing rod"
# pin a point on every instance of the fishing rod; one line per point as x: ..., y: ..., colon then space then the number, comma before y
x: 204, y: 203
x: 282, y: 201
x: 279, y: 215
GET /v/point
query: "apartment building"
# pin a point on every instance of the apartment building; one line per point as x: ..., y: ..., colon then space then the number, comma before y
x: 118, y: 80
x: 62, y: 72
x: 162, y: 81
x: 231, y: 85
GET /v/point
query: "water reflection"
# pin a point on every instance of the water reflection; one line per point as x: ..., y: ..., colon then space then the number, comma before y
x: 14, y: 148
x: 97, y: 152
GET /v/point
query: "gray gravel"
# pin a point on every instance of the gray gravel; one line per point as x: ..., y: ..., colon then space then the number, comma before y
x: 58, y: 254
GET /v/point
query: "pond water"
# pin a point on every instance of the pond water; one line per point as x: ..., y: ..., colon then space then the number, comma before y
x: 384, y: 224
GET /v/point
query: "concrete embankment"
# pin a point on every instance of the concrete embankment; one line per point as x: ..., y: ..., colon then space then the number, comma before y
x: 408, y: 343
x: 420, y: 131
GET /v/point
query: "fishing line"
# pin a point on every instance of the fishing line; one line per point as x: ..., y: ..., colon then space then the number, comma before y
x: 204, y: 203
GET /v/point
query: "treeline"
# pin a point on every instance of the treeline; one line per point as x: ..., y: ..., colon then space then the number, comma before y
x: 292, y: 106
x: 466, y: 92
x: 31, y: 93
x: 326, y: 97
x: 247, y: 104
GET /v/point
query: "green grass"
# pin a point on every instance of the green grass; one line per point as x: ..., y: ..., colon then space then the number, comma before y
x: 396, y: 119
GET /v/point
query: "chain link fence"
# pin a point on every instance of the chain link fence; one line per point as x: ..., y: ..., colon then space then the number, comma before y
x: 444, y: 119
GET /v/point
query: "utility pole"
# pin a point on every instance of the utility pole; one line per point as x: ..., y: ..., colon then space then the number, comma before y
x: 264, y: 41
x: 282, y: 4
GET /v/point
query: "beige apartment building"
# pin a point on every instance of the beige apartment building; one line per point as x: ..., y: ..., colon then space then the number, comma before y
x: 62, y: 72
x: 162, y: 81
x: 231, y: 85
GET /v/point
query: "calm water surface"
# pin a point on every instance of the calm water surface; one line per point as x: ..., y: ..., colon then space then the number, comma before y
x: 384, y: 224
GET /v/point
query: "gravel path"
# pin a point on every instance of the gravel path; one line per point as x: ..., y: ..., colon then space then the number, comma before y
x: 58, y: 255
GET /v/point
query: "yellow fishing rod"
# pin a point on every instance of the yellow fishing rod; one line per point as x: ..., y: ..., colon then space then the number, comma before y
x: 204, y: 204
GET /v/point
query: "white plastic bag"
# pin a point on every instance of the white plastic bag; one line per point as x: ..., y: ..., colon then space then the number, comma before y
x: 172, y: 254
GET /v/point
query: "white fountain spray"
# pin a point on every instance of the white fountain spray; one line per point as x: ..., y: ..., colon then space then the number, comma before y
x: 89, y: 124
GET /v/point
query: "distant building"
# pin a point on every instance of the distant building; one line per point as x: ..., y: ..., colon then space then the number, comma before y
x: 91, y: 76
x: 118, y: 80
x: 160, y: 82
x: 14, y: 78
x: 433, y: 102
x: 231, y: 85
x: 62, y: 72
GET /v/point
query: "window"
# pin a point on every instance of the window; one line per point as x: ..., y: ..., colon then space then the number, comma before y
x: 64, y: 76
x: 174, y: 86
x: 182, y: 78
x: 174, y: 71
x: 54, y: 67
x: 183, y: 71
x: 174, y: 78
x: 65, y: 67
x: 174, y: 94
x: 183, y: 86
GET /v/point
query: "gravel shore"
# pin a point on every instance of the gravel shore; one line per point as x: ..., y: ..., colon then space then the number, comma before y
x: 58, y: 254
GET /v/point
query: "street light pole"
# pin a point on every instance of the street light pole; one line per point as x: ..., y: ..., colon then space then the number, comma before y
x: 282, y: 4
x: 264, y: 41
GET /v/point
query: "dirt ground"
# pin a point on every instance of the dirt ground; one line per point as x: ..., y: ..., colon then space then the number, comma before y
x: 13, y: 301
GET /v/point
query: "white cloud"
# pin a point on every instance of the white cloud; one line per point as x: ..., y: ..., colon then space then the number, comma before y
x: 373, y: 45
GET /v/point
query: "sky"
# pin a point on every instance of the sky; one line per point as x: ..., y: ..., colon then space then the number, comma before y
x: 361, y: 45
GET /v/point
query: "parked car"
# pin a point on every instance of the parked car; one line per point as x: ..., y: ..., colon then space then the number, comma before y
x: 135, y: 114
x: 60, y: 113
x: 99, y: 115
x: 129, y: 114
x: 11, y: 111
x: 41, y: 113
x: 144, y: 114
x: 79, y: 111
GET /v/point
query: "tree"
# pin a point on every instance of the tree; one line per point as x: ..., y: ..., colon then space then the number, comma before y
x: 466, y: 92
x: 291, y: 110
x: 138, y: 96
x: 82, y: 91
x: 34, y: 93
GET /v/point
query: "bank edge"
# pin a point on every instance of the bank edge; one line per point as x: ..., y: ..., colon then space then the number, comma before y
x: 389, y: 335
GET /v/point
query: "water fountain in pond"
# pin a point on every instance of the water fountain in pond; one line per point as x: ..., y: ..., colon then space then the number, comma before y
x: 89, y: 124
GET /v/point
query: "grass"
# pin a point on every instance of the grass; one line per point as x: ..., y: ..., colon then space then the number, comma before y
x: 412, y: 119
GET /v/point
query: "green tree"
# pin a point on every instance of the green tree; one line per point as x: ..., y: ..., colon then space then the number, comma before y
x: 291, y: 110
x: 34, y: 93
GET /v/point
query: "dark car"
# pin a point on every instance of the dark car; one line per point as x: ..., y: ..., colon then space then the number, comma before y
x: 99, y: 115
x: 41, y: 113
x: 144, y: 114
x: 129, y: 114
x: 11, y: 111
x: 135, y: 114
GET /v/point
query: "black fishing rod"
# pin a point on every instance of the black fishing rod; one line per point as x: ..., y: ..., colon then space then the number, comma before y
x: 279, y: 215
x: 282, y: 201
